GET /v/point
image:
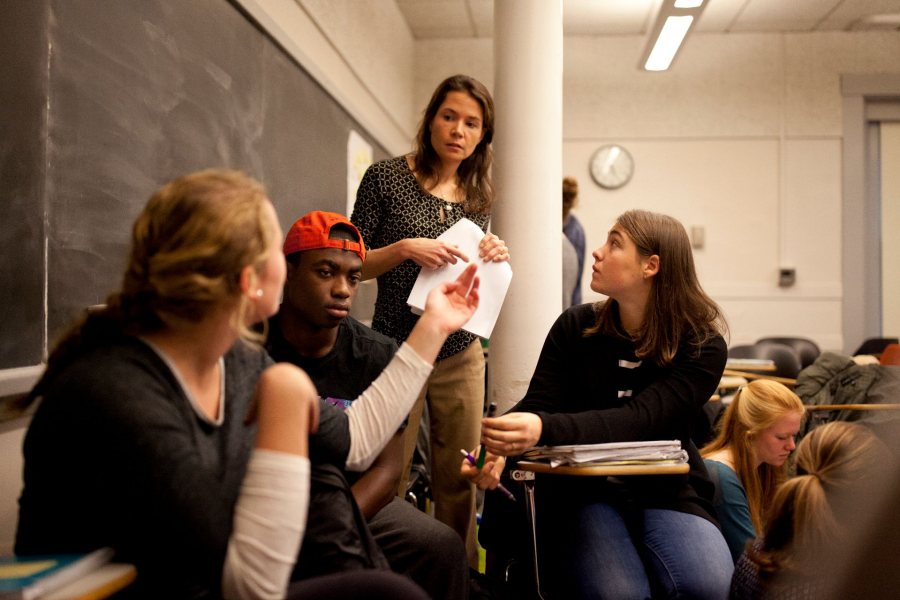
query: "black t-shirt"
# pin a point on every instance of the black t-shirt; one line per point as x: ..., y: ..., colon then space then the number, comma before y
x: 357, y: 359
x: 337, y: 537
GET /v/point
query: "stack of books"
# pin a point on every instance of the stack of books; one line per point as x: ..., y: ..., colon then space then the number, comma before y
x: 63, y: 577
x: 656, y: 452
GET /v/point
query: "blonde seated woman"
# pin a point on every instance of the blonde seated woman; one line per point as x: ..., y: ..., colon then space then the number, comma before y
x: 809, y: 526
x: 748, y: 458
x: 166, y: 433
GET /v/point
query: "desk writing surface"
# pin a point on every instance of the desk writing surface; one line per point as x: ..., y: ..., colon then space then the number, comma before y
x: 606, y: 470
x: 751, y: 364
x: 98, y: 584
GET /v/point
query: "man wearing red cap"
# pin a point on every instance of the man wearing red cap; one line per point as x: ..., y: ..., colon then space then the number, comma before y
x: 313, y: 330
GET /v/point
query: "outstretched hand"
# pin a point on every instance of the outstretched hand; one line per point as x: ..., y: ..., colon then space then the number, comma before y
x: 451, y: 305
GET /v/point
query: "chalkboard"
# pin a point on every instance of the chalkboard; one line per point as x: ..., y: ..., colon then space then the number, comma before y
x: 130, y: 94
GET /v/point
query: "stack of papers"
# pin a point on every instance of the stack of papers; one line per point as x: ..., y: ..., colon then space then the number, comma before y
x: 615, y: 453
x: 495, y: 278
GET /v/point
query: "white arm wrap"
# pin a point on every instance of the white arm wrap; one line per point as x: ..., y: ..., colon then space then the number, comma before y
x: 269, y: 521
x: 377, y: 414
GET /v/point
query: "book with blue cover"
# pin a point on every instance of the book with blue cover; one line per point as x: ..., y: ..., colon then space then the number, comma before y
x: 30, y: 577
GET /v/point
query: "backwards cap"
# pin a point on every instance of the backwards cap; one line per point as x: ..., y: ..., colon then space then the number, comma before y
x: 312, y: 231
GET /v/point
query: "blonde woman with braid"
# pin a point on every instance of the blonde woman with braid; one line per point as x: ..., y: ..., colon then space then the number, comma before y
x: 809, y: 514
x: 164, y: 432
x: 748, y: 458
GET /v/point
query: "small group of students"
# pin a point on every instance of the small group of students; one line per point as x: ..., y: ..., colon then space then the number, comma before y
x: 198, y: 458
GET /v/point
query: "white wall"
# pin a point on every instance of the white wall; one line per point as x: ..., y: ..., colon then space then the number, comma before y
x: 742, y: 137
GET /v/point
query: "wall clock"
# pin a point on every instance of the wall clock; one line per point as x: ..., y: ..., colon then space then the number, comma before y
x: 611, y: 166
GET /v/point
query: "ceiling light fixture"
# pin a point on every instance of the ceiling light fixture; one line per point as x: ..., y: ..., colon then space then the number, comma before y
x: 674, y: 21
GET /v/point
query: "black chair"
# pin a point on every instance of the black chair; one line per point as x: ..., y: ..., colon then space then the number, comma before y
x: 787, y: 362
x: 875, y: 345
x: 806, y: 349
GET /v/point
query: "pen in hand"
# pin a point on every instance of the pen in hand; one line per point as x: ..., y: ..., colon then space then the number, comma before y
x: 492, y: 410
x: 500, y: 486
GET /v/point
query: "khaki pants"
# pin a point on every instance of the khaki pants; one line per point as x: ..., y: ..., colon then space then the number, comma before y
x: 455, y: 396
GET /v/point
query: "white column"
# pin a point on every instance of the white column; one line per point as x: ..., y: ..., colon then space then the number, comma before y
x: 528, y: 47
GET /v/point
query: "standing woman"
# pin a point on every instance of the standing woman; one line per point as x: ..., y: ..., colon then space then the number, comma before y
x: 748, y: 458
x: 162, y: 432
x: 402, y: 206
x: 635, y: 367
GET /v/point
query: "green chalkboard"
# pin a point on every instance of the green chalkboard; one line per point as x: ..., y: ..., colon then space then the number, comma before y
x: 102, y: 102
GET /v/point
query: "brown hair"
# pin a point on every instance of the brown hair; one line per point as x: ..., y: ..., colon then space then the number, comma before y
x: 474, y: 172
x: 678, y: 306
x: 755, y: 407
x: 569, y: 195
x: 189, y: 246
x: 830, y: 461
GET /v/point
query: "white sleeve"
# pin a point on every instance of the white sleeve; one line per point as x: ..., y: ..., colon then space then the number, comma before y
x: 269, y: 521
x: 377, y: 414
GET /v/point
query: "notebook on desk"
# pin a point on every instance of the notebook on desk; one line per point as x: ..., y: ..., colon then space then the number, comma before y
x: 34, y: 577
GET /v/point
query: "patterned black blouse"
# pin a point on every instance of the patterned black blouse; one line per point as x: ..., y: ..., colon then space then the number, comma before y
x: 391, y: 206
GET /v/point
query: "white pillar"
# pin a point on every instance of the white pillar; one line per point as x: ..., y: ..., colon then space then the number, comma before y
x: 528, y: 47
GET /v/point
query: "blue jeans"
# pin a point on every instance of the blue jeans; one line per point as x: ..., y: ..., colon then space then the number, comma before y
x: 652, y: 552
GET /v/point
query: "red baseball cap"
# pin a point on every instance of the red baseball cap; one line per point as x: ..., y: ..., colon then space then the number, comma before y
x: 312, y: 231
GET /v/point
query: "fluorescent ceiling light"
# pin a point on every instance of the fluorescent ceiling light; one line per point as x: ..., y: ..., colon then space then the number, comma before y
x: 688, y: 3
x: 670, y: 37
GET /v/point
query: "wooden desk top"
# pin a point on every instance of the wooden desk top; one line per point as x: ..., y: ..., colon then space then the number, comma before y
x: 747, y: 375
x: 885, y: 406
x: 611, y: 470
x: 732, y: 382
x: 751, y: 364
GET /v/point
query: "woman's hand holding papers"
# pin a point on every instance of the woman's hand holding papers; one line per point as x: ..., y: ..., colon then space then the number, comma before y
x: 511, y: 434
x: 492, y: 248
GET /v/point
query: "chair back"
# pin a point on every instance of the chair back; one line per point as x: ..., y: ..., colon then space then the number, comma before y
x: 806, y: 349
x: 787, y: 362
x: 744, y: 351
x: 891, y: 355
x: 875, y: 345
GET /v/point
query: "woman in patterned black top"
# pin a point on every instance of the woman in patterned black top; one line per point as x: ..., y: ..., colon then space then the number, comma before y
x: 402, y: 206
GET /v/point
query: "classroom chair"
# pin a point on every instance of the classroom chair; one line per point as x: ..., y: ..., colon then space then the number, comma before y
x: 787, y: 362
x: 890, y: 355
x: 806, y: 349
x: 875, y: 345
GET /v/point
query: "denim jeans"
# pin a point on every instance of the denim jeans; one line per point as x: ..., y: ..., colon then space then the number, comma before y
x: 653, y: 553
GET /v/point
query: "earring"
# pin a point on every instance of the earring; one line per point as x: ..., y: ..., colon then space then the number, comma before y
x: 259, y: 293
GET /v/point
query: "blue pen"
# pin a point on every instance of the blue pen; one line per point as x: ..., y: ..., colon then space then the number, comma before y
x: 500, y: 486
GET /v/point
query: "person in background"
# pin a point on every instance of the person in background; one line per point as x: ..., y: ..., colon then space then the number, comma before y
x: 635, y: 367
x: 835, y: 464
x: 313, y: 330
x: 403, y: 204
x: 747, y: 460
x: 573, y: 230
x: 187, y: 447
x: 570, y: 273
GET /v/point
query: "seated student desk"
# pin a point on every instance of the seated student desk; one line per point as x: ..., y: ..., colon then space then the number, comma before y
x: 100, y: 583
x: 525, y: 470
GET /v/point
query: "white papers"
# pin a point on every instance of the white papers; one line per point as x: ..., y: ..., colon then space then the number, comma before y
x: 494, y: 276
x: 647, y: 452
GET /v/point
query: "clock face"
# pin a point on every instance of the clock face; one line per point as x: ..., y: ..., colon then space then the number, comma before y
x: 611, y: 166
